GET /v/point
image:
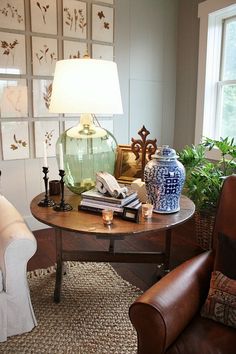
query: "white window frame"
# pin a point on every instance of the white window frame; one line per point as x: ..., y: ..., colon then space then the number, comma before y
x: 211, y: 14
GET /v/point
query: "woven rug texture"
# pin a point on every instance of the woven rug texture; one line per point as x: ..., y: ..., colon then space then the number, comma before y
x: 92, y: 317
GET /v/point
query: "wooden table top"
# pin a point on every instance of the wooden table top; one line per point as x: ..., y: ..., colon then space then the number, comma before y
x: 86, y: 222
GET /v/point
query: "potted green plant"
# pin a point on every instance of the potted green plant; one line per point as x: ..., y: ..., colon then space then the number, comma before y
x: 204, y: 179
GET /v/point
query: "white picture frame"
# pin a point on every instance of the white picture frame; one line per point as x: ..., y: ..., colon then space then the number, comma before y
x: 44, y: 16
x: 13, y: 98
x: 15, y: 140
x: 75, y: 21
x: 44, y: 54
x: 102, y: 23
x: 48, y: 132
x: 12, y: 14
x: 42, y: 90
x: 74, y: 49
x: 12, y: 53
x: 103, y: 52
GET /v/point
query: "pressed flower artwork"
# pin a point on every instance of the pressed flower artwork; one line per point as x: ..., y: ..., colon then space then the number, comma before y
x: 15, y: 140
x: 74, y: 19
x: 44, y: 16
x: 104, y: 52
x: 73, y: 50
x: 12, y: 14
x: 13, y: 98
x: 47, y: 132
x: 44, y: 51
x: 12, y: 53
x: 42, y: 91
x: 102, y: 23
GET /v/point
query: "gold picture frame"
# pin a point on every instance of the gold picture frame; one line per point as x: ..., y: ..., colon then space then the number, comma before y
x: 127, y: 168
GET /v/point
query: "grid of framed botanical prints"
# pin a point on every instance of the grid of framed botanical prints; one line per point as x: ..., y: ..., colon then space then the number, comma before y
x: 33, y: 36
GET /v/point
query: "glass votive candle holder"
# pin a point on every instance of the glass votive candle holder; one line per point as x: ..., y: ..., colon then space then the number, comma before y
x: 147, y: 210
x: 107, y: 216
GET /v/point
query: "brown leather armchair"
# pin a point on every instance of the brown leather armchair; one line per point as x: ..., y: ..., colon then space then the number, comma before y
x: 167, y: 316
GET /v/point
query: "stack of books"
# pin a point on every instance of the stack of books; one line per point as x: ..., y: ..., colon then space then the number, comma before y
x: 93, y: 200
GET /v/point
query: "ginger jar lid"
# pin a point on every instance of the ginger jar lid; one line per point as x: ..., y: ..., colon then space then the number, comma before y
x: 164, y: 152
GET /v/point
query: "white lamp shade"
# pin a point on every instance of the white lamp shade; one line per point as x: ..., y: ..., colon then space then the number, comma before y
x: 86, y: 86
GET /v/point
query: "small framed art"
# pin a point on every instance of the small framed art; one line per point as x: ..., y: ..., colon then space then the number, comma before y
x: 74, y: 49
x: 12, y: 53
x: 44, y: 54
x: 12, y: 14
x: 104, y: 52
x: 47, y: 132
x: 102, y: 23
x: 75, y: 19
x: 42, y: 90
x: 127, y: 167
x: 15, y: 140
x: 13, y: 98
x: 130, y: 214
x: 44, y: 16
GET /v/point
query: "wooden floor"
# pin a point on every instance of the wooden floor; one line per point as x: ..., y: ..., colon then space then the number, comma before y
x: 142, y: 275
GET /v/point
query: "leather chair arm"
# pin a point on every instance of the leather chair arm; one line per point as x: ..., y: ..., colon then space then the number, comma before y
x: 163, y: 311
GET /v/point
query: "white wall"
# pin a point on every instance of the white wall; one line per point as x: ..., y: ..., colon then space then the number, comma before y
x: 145, y: 51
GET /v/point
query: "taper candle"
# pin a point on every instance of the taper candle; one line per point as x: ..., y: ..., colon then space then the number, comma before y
x: 45, y: 159
x: 61, y: 162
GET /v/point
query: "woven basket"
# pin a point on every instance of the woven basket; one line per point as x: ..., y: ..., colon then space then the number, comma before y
x: 204, y: 224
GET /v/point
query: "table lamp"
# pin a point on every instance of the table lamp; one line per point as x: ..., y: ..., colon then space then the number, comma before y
x: 86, y: 87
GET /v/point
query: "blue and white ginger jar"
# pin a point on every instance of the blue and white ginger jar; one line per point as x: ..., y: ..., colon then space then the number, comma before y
x: 164, y: 178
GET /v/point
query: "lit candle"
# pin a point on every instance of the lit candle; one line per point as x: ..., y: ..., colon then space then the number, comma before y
x: 147, y: 210
x: 107, y: 216
x: 45, y: 159
x: 61, y: 164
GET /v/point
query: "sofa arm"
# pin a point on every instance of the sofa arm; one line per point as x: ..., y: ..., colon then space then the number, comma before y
x: 164, y: 310
x: 17, y: 243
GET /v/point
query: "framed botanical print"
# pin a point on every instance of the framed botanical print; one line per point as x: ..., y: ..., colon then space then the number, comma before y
x: 102, y: 23
x: 12, y: 14
x: 15, y: 140
x: 12, y: 53
x: 44, y: 16
x: 42, y: 91
x: 48, y: 132
x: 74, y: 49
x: 75, y: 19
x: 13, y: 98
x: 104, y: 52
x: 44, y: 53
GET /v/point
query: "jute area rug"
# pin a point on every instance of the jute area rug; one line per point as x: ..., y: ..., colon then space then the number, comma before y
x: 92, y: 316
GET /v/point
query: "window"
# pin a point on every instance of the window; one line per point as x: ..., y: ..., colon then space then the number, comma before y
x: 226, y: 97
x: 216, y: 89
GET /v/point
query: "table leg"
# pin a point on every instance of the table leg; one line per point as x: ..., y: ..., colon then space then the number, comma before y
x: 167, y: 250
x: 164, y: 268
x: 59, y: 270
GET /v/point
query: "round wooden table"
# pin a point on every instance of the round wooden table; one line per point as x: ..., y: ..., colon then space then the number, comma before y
x: 84, y: 223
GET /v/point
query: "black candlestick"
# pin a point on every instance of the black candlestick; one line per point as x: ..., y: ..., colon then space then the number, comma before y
x: 46, y: 202
x: 62, y: 206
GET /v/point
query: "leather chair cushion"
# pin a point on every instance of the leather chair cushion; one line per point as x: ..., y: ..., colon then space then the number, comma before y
x: 220, y: 304
x: 205, y: 336
x: 226, y: 264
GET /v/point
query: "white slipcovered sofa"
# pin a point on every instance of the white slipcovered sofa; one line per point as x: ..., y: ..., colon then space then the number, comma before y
x: 17, y: 245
